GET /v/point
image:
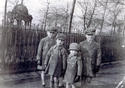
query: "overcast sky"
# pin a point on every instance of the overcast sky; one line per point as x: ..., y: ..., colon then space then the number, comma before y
x: 33, y: 6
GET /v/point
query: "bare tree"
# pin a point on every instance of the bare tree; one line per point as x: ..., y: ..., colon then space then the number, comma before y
x: 71, y: 16
x: 116, y: 12
x: 93, y: 11
x: 55, y: 16
x: 84, y: 12
x: 46, y: 15
x: 5, y: 12
x: 88, y: 13
x: 112, y: 8
x: 100, y: 13
x: 103, y: 17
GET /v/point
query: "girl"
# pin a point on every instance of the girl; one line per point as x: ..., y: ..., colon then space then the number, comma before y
x: 74, y: 66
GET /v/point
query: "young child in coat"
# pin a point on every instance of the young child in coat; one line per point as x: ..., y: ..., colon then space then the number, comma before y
x: 55, y: 61
x: 74, y: 66
x: 44, y: 46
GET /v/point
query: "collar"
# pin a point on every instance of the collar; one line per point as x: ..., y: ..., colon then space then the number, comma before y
x: 50, y: 38
x: 70, y: 55
x: 58, y: 47
x: 90, y: 42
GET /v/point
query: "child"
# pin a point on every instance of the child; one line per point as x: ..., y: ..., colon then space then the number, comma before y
x: 74, y: 66
x: 55, y: 61
x: 44, y: 46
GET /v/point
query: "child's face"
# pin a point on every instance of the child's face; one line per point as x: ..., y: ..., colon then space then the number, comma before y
x: 59, y: 42
x: 89, y: 37
x: 51, y: 34
x: 73, y: 52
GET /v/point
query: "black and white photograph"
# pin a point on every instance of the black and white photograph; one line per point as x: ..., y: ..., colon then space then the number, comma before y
x: 62, y: 43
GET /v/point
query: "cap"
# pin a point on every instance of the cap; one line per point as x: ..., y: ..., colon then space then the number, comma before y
x: 61, y: 36
x: 90, y: 31
x: 74, y: 46
x: 53, y: 29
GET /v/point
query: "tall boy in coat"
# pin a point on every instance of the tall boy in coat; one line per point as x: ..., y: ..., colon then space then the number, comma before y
x: 56, y: 61
x: 74, y: 66
x: 44, y: 46
x: 91, y: 55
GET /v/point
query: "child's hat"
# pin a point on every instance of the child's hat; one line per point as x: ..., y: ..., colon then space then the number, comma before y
x: 53, y: 29
x: 90, y: 31
x: 61, y: 36
x: 74, y: 46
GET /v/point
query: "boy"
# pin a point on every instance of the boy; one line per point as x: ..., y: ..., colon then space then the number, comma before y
x: 91, y: 52
x: 55, y: 61
x: 44, y: 46
x: 74, y: 66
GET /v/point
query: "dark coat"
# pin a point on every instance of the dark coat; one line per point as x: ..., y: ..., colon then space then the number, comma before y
x: 74, y: 68
x: 56, y: 60
x: 44, y: 46
x: 91, y: 55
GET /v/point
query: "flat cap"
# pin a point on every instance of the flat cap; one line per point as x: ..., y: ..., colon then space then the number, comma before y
x: 90, y: 31
x: 53, y: 29
x: 61, y: 36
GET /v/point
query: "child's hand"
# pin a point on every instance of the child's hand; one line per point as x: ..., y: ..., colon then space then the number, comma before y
x: 77, y: 78
x: 38, y: 62
x: 45, y: 65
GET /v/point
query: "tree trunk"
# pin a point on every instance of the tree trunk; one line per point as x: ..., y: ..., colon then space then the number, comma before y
x: 71, y: 16
x: 85, y: 18
x: 103, y: 17
x: 46, y: 15
x: 22, y: 2
x: 90, y: 21
x: 5, y: 13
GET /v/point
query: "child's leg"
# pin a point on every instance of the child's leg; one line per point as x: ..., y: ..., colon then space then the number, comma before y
x: 56, y: 82
x: 73, y: 86
x: 88, y: 79
x: 51, y: 81
x: 67, y: 85
x: 43, y: 77
x: 60, y: 81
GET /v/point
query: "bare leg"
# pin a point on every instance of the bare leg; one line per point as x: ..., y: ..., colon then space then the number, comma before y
x: 73, y: 86
x: 56, y: 82
x: 51, y: 81
x: 60, y: 81
x: 88, y: 80
x: 84, y: 83
x: 43, y: 78
x: 67, y: 85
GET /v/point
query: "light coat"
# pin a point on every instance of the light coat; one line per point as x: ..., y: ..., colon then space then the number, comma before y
x: 91, y: 56
x: 44, y: 46
x: 56, y: 60
x: 74, y: 68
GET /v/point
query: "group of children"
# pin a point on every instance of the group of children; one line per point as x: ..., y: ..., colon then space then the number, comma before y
x: 54, y: 60
x: 58, y: 64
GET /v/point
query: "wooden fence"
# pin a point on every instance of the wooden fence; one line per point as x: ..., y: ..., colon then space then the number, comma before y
x: 19, y: 48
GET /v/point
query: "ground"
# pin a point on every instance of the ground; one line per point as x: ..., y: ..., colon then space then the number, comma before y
x: 109, y: 76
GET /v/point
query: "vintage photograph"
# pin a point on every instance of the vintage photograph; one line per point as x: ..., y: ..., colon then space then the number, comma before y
x: 62, y: 43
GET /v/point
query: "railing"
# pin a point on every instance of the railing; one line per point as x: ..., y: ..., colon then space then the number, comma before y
x: 19, y: 47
